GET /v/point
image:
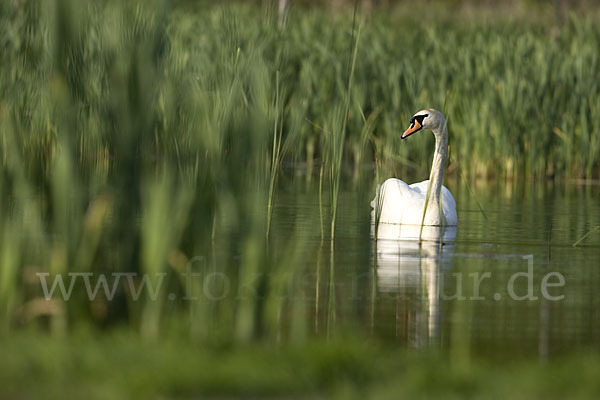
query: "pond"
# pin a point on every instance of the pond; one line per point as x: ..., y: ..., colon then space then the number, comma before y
x: 507, y: 283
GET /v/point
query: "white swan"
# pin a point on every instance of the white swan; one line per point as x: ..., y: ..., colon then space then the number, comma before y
x: 396, y: 202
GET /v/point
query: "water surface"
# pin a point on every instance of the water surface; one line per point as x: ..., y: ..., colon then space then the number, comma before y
x: 426, y: 296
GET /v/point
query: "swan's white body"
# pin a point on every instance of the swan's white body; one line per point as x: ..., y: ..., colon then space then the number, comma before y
x: 396, y: 202
x: 404, y: 204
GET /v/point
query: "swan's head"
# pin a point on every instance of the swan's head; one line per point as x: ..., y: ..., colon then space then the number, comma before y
x: 425, y: 119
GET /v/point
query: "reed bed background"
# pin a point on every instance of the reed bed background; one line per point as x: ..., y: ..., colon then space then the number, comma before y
x: 520, y: 96
x: 155, y: 136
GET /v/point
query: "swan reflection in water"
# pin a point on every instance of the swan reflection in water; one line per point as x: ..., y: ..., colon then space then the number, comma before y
x: 410, y: 273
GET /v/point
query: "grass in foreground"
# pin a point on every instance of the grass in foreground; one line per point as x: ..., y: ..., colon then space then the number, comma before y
x: 120, y: 366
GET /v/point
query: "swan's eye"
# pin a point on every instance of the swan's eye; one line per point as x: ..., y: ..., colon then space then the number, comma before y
x: 418, y: 118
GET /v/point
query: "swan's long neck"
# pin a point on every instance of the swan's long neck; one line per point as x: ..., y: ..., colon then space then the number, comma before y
x: 437, y: 168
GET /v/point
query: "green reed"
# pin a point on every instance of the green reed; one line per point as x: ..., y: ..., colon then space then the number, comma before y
x: 136, y: 136
x: 524, y: 99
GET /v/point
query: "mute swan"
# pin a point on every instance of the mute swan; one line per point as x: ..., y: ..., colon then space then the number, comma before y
x: 399, y: 203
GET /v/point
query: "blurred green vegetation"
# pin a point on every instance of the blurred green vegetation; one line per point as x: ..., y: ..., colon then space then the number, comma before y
x: 35, y: 367
x: 136, y: 136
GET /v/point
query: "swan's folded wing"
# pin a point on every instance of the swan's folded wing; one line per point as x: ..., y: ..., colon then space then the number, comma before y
x: 397, y: 202
x: 449, y: 207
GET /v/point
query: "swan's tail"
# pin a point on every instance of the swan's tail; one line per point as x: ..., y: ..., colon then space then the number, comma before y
x: 374, y: 201
x: 376, y: 205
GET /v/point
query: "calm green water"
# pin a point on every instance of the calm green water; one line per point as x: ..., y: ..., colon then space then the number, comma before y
x: 426, y: 296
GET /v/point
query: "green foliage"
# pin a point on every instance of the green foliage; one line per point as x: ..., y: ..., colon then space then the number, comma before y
x: 147, y: 137
x: 117, y: 366
x: 184, y: 117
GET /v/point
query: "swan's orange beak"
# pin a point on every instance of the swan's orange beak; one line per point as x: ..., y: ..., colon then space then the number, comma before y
x: 415, y: 126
